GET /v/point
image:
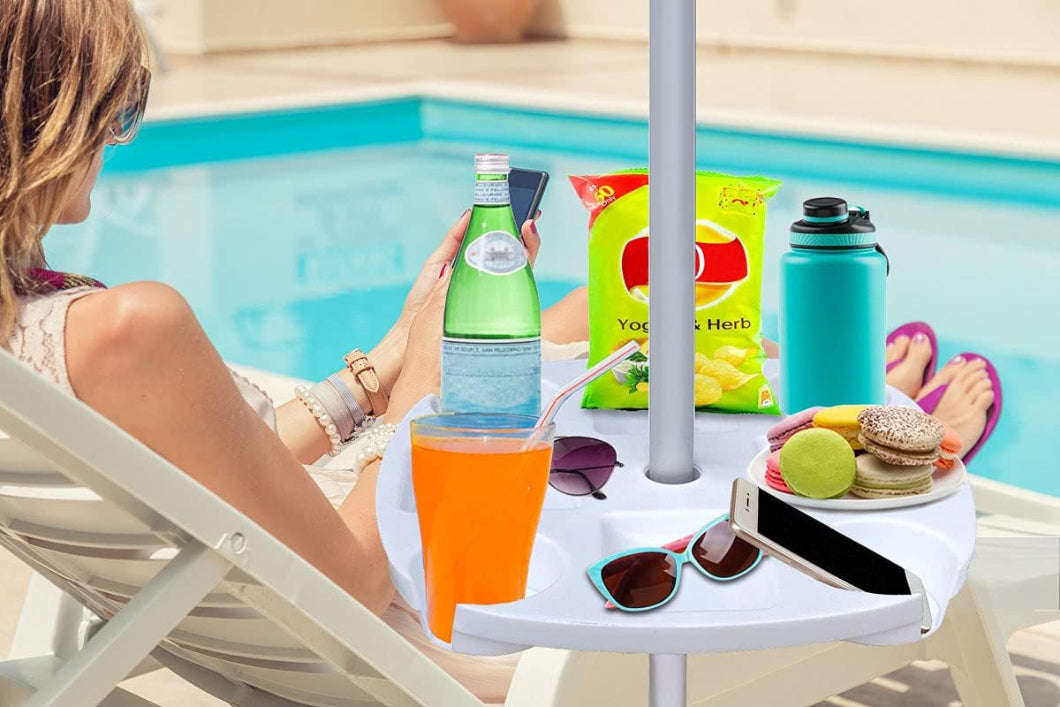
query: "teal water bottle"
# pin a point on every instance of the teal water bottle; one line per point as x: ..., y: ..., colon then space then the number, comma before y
x: 833, y: 309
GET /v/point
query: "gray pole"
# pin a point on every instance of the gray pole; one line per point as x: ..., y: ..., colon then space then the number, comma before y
x: 672, y: 215
x: 667, y: 677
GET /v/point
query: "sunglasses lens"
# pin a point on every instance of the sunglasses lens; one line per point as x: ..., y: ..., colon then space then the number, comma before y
x: 126, y: 124
x: 641, y: 580
x: 581, y: 465
x: 722, y: 554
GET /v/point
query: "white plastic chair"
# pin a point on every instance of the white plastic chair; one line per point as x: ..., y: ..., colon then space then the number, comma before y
x: 178, y: 574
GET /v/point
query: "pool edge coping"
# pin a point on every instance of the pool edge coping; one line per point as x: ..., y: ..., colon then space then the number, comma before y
x: 876, y: 133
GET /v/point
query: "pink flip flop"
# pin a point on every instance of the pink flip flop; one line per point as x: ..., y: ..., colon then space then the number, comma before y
x: 911, y: 329
x: 993, y: 413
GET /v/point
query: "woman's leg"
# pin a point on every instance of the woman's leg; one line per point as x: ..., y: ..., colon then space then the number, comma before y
x: 964, y: 404
x: 567, y: 320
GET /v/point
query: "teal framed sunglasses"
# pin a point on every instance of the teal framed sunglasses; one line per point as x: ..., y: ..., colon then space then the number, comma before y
x: 645, y: 578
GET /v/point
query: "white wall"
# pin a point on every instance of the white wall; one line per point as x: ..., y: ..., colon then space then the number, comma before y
x: 1018, y: 31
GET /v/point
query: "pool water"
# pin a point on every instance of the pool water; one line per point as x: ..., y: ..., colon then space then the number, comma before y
x: 295, y: 235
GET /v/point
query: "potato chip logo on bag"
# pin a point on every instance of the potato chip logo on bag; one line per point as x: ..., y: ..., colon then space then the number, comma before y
x: 727, y: 271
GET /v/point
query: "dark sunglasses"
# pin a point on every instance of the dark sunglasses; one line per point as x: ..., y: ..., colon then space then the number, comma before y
x: 644, y: 578
x: 581, y: 466
x: 125, y: 126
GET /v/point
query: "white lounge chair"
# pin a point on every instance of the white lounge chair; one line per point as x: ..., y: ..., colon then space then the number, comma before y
x: 181, y: 575
x: 176, y: 573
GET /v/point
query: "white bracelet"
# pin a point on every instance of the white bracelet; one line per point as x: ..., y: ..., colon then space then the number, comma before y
x: 322, y: 417
x: 372, y: 444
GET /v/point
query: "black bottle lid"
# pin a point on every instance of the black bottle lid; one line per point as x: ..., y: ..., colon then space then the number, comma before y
x: 829, y: 215
x: 825, y: 207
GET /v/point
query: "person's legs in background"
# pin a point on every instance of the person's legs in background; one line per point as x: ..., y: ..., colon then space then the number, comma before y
x: 963, y: 406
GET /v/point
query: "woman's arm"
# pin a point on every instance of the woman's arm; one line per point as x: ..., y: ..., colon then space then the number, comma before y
x: 137, y: 354
x: 300, y: 430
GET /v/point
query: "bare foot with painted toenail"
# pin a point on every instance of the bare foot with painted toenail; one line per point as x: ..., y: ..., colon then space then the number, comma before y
x: 914, y: 355
x: 964, y: 404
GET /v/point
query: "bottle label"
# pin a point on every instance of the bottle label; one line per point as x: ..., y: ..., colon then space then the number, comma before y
x: 496, y: 253
x: 488, y: 375
x: 492, y: 192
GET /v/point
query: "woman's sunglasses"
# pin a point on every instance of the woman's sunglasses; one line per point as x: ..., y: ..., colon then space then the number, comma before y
x: 647, y: 577
x: 581, y: 466
x: 125, y: 125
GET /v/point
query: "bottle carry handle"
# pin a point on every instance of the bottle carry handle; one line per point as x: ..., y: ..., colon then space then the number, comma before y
x: 862, y: 212
x: 881, y: 251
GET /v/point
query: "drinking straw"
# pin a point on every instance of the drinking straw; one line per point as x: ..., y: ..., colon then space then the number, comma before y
x: 575, y: 385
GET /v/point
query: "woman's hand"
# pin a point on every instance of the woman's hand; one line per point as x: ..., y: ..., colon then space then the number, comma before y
x: 422, y: 373
x: 432, y: 268
x: 444, y: 255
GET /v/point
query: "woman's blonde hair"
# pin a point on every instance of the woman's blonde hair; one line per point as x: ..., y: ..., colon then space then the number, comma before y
x: 67, y: 67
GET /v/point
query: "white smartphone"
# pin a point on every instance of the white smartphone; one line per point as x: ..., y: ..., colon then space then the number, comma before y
x: 810, y: 546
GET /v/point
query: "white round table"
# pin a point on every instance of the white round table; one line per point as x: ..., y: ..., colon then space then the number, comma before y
x: 773, y: 606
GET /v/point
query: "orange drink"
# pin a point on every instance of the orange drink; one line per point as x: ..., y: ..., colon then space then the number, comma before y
x: 480, y: 482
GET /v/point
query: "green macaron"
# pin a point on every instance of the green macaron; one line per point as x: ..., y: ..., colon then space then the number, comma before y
x: 878, y: 479
x: 818, y: 463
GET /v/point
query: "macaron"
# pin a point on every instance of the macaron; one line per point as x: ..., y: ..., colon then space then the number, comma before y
x: 817, y: 463
x: 903, y: 436
x: 949, y: 447
x: 842, y: 419
x: 773, y: 477
x: 781, y: 432
x: 878, y: 479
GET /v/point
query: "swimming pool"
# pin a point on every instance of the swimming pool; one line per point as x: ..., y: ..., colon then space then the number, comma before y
x: 295, y: 234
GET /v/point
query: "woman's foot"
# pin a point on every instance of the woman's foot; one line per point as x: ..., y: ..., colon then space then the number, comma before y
x: 914, y: 355
x: 964, y: 404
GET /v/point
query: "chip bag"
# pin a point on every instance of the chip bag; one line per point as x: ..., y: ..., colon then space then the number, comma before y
x: 730, y: 220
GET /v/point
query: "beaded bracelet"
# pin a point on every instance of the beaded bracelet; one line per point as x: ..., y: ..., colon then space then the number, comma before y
x: 322, y: 417
x: 372, y: 444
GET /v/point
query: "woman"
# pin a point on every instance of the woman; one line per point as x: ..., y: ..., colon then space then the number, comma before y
x: 73, y: 80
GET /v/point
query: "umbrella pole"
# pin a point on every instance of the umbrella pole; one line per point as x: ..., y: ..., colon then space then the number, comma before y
x: 672, y: 215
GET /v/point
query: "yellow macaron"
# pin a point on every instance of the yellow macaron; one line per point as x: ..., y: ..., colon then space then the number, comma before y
x: 842, y: 419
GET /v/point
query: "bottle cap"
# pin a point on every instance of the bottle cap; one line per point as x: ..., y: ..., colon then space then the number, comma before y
x: 824, y: 209
x: 827, y: 222
x: 491, y: 163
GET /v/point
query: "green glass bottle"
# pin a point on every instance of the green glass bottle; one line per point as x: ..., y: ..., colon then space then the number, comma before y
x: 491, y: 346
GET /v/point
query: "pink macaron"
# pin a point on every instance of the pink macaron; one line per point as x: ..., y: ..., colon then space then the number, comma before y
x: 773, y: 477
x: 784, y: 430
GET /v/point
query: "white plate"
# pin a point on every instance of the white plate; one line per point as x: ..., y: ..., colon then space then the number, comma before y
x: 945, y: 483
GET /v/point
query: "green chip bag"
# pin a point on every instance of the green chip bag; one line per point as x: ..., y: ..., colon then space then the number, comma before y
x: 730, y: 220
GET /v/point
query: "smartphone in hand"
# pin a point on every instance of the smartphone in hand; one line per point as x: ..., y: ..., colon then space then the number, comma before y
x: 527, y: 188
x: 800, y: 540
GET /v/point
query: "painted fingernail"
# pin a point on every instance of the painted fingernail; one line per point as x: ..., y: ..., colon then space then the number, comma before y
x: 445, y: 266
x: 466, y: 212
x: 957, y: 359
x: 533, y: 227
x: 920, y: 337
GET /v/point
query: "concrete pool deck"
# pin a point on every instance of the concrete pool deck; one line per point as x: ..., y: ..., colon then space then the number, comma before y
x: 962, y: 104
x: 965, y: 104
